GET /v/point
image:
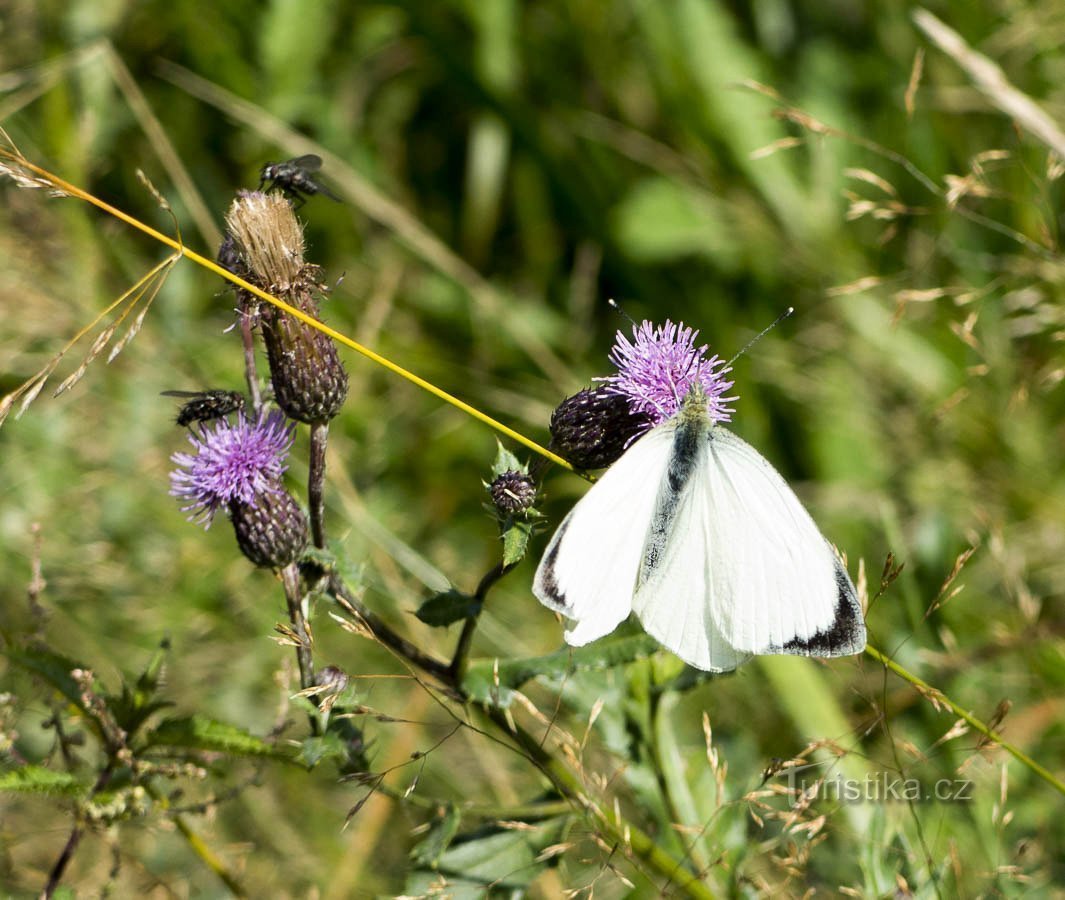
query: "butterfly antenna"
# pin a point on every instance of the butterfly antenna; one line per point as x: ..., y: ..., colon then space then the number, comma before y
x: 613, y: 304
x: 761, y: 334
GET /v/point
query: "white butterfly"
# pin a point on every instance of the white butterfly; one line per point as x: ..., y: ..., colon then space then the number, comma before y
x: 695, y: 532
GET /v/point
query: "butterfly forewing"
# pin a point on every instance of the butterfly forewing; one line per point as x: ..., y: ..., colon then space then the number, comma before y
x: 589, y: 570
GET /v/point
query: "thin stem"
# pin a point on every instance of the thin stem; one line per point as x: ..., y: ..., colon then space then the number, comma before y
x: 316, y: 482
x: 199, y: 846
x: 462, y: 650
x: 290, y: 578
x: 625, y: 836
x: 67, y: 854
x: 380, y: 630
x: 937, y: 696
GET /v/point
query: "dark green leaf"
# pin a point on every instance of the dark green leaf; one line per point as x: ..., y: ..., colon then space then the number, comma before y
x: 53, y: 668
x: 441, y: 610
x: 314, y: 750
x: 489, y: 680
x: 498, y: 858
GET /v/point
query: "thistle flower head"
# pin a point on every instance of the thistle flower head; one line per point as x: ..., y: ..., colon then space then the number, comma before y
x: 231, y: 463
x: 593, y: 428
x: 512, y: 492
x: 658, y: 367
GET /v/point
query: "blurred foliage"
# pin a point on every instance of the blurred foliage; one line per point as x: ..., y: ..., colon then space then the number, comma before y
x: 506, y: 168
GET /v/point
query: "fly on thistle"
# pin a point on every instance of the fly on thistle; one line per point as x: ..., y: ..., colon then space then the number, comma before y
x: 203, y: 406
x: 293, y: 178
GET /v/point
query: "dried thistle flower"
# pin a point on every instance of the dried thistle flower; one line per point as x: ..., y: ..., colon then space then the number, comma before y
x: 309, y: 381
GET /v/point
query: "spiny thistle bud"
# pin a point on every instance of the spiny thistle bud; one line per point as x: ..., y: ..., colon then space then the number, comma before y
x: 594, y: 427
x: 512, y: 492
x: 309, y: 381
x: 272, y: 533
x: 238, y: 468
x: 333, y: 679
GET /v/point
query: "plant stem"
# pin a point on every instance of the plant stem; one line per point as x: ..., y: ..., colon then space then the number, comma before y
x: 67, y: 854
x: 251, y: 373
x: 316, y: 482
x: 632, y: 841
x: 380, y: 630
x: 938, y: 697
x: 290, y: 578
x: 462, y: 650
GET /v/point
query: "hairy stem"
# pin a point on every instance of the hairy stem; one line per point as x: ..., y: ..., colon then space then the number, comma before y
x: 316, y: 482
x: 290, y: 578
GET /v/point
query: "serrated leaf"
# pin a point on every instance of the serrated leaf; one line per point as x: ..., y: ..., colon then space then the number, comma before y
x: 427, y: 852
x: 201, y: 733
x: 315, y: 750
x: 53, y: 668
x: 39, y: 780
x: 441, y: 610
x: 516, y: 540
x: 506, y: 461
x: 490, y: 681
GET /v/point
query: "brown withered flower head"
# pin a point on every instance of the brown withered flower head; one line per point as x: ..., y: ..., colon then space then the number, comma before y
x: 309, y: 381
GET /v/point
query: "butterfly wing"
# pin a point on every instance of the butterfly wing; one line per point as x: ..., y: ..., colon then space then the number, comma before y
x: 735, y: 563
x: 674, y: 579
x: 588, y: 572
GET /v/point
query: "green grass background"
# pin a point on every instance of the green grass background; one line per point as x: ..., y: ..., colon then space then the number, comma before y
x: 537, y: 159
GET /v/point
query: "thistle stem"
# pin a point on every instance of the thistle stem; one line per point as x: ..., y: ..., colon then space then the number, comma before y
x: 290, y: 578
x: 316, y: 482
x: 462, y: 650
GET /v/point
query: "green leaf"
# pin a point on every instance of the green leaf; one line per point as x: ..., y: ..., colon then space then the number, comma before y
x: 491, y: 681
x: 506, y: 461
x: 500, y: 859
x: 315, y: 750
x: 39, y: 780
x: 516, y: 536
x: 54, y: 669
x: 429, y: 850
x: 201, y: 733
x: 441, y: 610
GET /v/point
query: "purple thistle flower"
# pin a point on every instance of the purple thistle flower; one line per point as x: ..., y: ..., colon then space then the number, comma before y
x: 232, y: 463
x: 658, y: 367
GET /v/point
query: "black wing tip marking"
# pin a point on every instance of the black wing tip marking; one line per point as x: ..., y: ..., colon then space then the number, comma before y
x: 846, y: 636
x: 545, y: 585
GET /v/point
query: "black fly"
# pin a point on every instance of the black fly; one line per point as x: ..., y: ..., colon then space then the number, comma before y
x: 202, y: 406
x: 294, y: 180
